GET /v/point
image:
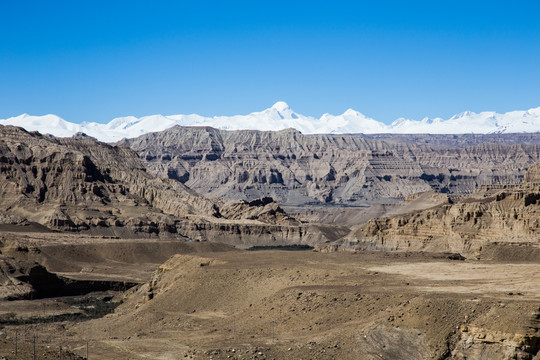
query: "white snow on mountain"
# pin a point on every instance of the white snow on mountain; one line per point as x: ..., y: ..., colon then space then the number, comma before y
x: 280, y: 116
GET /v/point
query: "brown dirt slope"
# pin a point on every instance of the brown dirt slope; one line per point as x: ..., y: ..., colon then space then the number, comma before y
x: 284, y: 305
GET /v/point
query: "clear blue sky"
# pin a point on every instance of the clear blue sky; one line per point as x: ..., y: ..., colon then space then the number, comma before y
x: 96, y: 60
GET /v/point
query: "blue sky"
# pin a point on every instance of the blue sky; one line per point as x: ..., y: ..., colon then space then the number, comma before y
x: 96, y: 60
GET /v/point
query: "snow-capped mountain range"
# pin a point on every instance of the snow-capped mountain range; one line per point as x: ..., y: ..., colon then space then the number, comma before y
x: 281, y: 116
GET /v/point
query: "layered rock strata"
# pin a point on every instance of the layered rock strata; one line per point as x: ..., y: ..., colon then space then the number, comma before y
x: 297, y: 169
x: 504, y: 214
x: 80, y: 184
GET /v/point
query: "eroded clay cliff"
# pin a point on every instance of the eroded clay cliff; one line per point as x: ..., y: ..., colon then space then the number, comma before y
x: 294, y: 168
x: 80, y: 184
x: 496, y: 214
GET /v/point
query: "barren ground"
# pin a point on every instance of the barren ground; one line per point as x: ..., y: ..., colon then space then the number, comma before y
x: 211, y: 301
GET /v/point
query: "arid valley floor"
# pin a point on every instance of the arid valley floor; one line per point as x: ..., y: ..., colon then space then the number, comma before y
x: 213, y: 301
x: 377, y: 249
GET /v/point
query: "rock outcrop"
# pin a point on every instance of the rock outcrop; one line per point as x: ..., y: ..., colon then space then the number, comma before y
x: 80, y: 184
x: 294, y: 168
x: 504, y: 214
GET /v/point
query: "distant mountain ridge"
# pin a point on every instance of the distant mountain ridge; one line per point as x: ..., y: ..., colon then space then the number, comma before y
x: 280, y: 116
x: 345, y: 169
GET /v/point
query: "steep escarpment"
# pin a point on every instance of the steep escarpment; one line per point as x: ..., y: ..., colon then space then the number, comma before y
x: 505, y: 214
x: 80, y: 184
x: 336, y: 169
